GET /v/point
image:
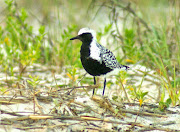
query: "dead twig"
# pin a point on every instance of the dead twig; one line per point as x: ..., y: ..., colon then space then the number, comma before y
x: 73, y: 88
x: 84, y: 118
x: 104, y: 103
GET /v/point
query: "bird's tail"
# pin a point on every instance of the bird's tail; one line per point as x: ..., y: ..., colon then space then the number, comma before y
x: 123, y: 67
x: 127, y: 67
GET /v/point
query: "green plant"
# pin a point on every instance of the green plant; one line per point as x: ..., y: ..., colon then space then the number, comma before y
x: 163, y: 105
x: 34, y: 81
x: 65, y: 52
x: 137, y: 94
x: 20, y: 45
x: 72, y: 74
x: 129, y: 48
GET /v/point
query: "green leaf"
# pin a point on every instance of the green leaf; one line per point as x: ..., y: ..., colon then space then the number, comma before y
x: 23, y: 14
x: 42, y: 29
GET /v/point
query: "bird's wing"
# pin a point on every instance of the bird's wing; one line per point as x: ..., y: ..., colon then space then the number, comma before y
x: 108, y: 58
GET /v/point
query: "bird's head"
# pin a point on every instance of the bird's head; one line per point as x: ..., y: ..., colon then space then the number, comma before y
x: 85, y: 35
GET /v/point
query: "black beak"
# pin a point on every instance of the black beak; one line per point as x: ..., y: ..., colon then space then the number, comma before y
x: 77, y: 37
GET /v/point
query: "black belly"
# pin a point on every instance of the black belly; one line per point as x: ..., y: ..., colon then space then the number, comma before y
x: 93, y: 67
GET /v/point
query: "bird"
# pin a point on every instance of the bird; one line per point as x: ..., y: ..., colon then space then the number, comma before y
x: 95, y: 58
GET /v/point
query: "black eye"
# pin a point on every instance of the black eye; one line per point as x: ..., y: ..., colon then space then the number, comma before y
x: 86, y: 36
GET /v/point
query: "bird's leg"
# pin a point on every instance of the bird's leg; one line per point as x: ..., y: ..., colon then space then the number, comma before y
x: 94, y: 84
x: 104, y: 86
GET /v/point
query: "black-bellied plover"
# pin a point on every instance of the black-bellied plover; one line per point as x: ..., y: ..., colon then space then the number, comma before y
x: 96, y: 59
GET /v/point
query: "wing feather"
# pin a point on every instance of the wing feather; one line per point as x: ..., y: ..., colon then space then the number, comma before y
x: 108, y: 58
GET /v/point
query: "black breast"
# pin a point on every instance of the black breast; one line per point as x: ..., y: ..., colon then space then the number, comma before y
x: 93, y: 67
